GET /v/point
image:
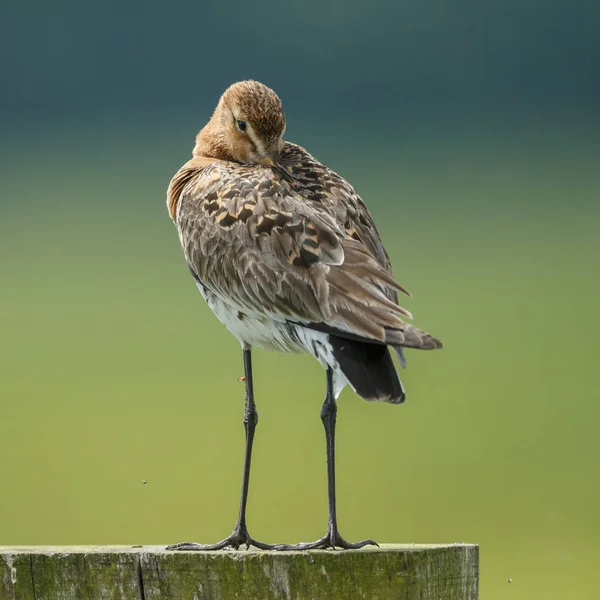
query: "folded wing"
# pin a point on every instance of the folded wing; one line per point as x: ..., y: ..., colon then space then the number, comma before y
x: 257, y: 241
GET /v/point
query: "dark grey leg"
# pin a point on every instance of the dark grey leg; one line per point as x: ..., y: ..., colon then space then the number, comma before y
x: 240, y: 535
x: 332, y: 538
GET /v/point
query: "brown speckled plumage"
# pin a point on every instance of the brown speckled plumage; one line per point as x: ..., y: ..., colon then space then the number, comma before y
x: 287, y: 243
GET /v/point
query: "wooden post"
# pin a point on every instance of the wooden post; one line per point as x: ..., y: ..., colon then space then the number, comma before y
x: 412, y: 572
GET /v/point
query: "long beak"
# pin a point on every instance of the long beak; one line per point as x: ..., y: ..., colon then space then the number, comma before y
x: 273, y: 161
x: 270, y: 160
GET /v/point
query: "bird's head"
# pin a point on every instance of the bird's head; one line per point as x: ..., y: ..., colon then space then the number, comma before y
x: 247, y: 126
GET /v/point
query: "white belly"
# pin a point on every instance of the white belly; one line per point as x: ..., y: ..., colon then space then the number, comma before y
x: 253, y: 330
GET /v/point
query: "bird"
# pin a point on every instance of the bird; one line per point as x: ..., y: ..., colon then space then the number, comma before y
x: 288, y: 257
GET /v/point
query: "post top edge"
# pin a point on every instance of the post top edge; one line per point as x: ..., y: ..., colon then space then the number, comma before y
x: 113, y: 549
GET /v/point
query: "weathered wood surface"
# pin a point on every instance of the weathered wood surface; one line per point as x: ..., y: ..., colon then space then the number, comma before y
x: 413, y: 572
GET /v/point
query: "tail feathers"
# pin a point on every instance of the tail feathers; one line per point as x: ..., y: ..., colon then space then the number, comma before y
x: 399, y: 350
x: 411, y: 337
x: 369, y: 369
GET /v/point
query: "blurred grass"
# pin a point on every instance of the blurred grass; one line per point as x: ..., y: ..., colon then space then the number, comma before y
x: 113, y: 370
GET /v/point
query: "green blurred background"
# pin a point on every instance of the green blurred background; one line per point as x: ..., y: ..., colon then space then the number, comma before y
x: 472, y: 131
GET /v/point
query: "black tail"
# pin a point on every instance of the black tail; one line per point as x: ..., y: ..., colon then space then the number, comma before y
x: 369, y: 369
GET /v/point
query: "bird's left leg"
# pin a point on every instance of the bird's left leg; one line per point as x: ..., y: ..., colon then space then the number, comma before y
x: 332, y: 539
x: 240, y: 535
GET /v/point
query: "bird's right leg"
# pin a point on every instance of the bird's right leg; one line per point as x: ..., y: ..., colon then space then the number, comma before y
x: 240, y: 535
x: 332, y: 539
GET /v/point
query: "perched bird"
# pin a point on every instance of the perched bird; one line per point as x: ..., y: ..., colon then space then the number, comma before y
x: 288, y: 257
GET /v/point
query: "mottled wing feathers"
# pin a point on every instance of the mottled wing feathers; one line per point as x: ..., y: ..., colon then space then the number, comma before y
x: 319, y: 184
x: 185, y: 174
x: 301, y: 248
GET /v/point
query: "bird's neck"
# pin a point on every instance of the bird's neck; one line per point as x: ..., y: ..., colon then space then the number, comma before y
x: 211, y: 142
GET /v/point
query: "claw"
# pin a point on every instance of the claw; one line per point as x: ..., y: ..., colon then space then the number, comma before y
x: 239, y: 537
x: 331, y: 541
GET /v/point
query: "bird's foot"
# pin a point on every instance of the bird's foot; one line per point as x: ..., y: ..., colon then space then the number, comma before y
x: 331, y: 541
x: 239, y: 537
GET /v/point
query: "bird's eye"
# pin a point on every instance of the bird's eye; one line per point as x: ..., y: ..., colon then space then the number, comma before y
x: 241, y: 125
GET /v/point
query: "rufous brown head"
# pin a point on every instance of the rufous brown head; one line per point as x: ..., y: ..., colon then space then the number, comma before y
x: 247, y: 125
